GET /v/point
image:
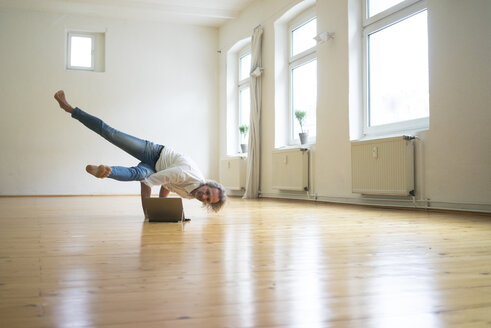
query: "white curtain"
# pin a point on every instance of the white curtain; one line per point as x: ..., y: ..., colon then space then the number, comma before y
x: 253, y: 156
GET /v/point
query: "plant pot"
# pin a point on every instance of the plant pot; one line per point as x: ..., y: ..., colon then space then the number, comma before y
x: 304, y: 137
x: 243, y: 147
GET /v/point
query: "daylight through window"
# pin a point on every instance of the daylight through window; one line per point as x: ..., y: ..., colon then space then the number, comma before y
x: 244, y: 93
x: 80, y: 51
x: 303, y: 76
x: 396, y: 68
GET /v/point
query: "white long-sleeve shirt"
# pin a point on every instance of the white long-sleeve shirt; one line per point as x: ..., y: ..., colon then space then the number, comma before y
x: 176, y: 173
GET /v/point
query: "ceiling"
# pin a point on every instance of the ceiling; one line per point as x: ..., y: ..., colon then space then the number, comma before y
x: 198, y: 12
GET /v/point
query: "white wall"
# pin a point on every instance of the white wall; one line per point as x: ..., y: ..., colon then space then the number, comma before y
x: 453, y: 165
x: 160, y: 83
x: 458, y: 147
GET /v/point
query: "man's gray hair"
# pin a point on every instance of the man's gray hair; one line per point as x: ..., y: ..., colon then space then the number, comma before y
x: 215, y: 207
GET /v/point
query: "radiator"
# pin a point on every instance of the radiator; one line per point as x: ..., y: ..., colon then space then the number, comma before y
x: 233, y: 173
x: 383, y: 166
x: 291, y: 169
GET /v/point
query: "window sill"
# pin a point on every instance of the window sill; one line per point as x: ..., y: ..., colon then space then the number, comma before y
x: 238, y: 155
x: 301, y: 147
x: 410, y: 127
x: 372, y: 136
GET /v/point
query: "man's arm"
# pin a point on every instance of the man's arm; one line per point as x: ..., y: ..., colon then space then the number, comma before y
x: 164, y: 192
x: 146, y: 192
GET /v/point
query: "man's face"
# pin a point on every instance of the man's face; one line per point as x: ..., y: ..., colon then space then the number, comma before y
x: 207, y: 194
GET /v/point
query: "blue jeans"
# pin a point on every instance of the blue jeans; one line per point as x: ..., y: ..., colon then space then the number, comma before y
x: 145, y: 151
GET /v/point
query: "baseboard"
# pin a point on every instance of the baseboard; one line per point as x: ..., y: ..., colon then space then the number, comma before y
x: 369, y: 201
x: 482, y: 208
x: 287, y: 195
x: 395, y: 202
x: 83, y: 195
x: 235, y: 193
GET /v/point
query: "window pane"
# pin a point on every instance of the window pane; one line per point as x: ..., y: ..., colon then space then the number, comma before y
x: 377, y: 6
x: 303, y: 37
x: 81, y: 51
x: 398, y: 72
x: 244, y: 106
x: 304, y: 96
x: 244, y: 66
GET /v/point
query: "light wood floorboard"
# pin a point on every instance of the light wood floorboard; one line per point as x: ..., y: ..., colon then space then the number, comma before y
x: 94, y: 262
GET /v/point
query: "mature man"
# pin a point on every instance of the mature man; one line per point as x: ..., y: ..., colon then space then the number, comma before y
x: 160, y: 165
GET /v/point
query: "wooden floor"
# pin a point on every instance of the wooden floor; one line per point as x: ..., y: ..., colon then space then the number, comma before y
x: 93, y: 262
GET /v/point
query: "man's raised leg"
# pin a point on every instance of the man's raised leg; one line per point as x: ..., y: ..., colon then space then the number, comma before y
x: 60, y: 98
x: 145, y: 151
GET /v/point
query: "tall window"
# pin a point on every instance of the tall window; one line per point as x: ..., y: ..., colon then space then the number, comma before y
x: 396, y: 93
x: 244, y: 92
x: 303, y: 74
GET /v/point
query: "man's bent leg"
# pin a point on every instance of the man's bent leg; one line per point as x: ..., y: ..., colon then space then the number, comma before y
x: 99, y: 171
x: 135, y: 173
x: 146, y: 151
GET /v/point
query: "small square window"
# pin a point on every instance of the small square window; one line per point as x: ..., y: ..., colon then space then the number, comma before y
x: 80, y: 51
x: 85, y: 51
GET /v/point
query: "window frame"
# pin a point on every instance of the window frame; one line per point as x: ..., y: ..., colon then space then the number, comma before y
x: 371, y: 25
x: 90, y: 35
x: 241, y: 85
x: 295, y: 61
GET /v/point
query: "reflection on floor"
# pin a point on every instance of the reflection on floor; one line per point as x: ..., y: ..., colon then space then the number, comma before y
x: 93, y: 262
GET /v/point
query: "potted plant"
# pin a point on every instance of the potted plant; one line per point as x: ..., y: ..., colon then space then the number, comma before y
x: 304, y: 135
x: 243, y: 129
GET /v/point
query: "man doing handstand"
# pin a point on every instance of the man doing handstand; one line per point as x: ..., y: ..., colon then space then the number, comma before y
x: 160, y: 165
